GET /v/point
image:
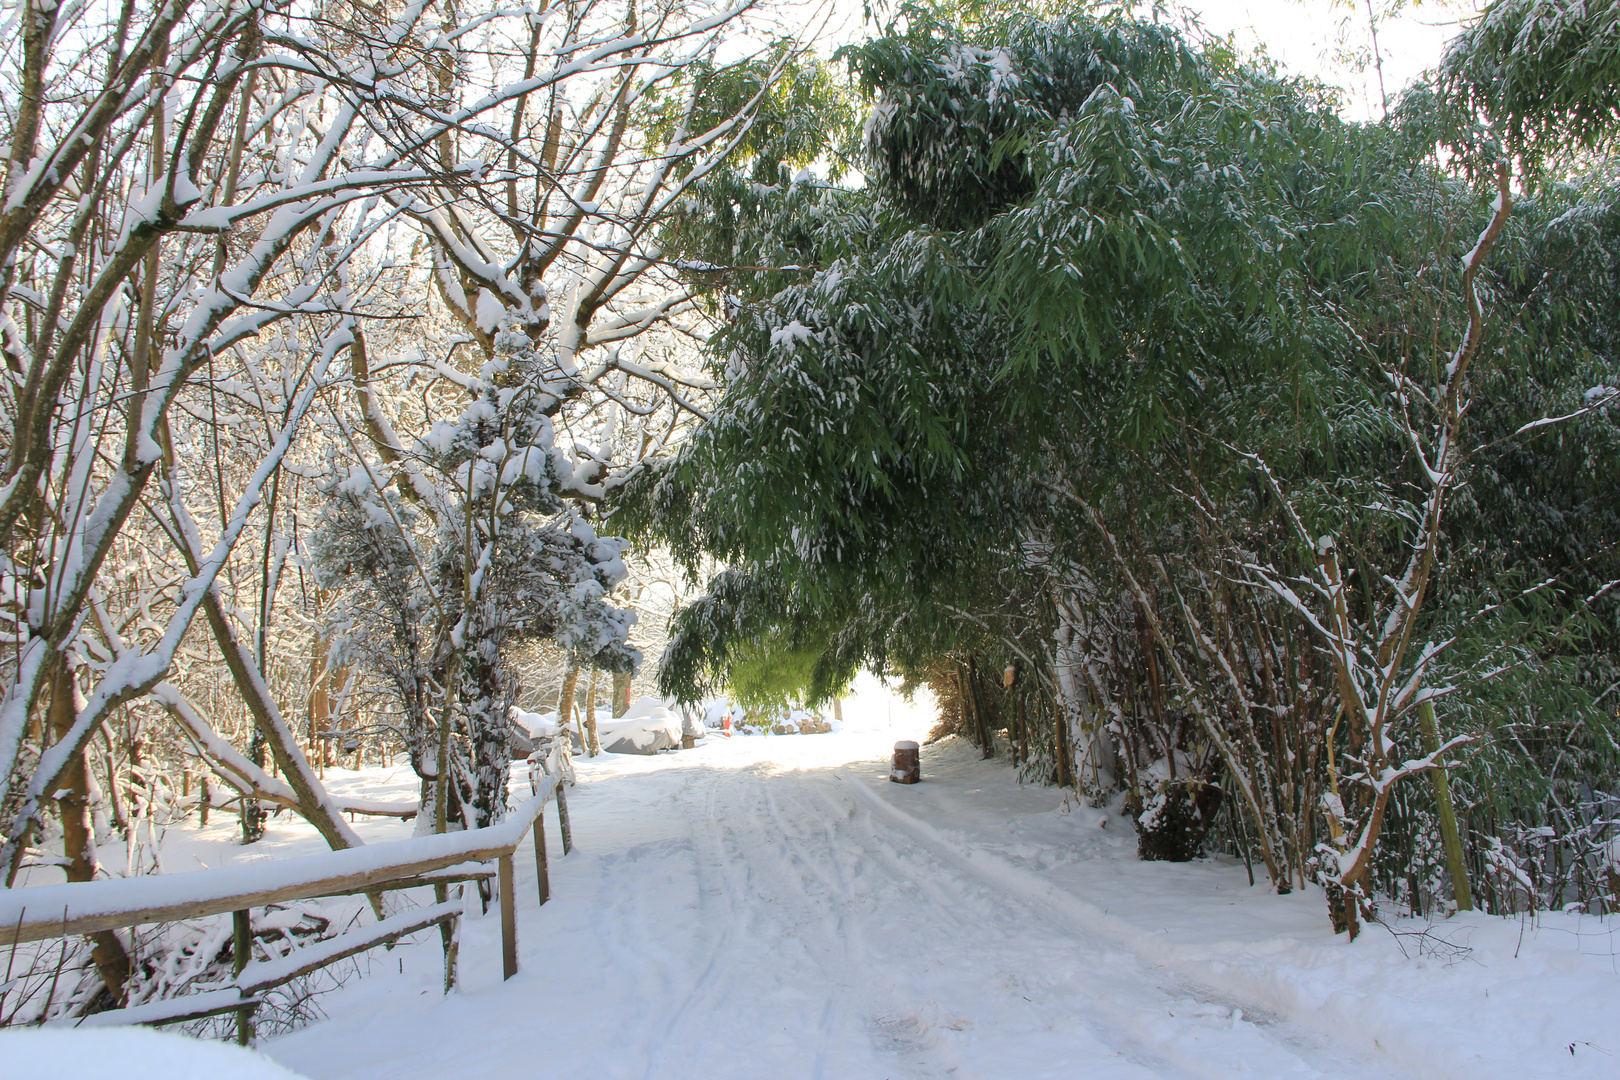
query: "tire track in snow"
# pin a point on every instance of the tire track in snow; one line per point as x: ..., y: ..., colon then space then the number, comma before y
x: 842, y: 952
x: 923, y: 1045
x: 800, y: 889
x: 1049, y: 904
x: 721, y: 920
x: 890, y: 1020
x: 949, y: 899
x: 893, y: 1019
x: 740, y: 860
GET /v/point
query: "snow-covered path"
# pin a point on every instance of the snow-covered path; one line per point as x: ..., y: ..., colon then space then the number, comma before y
x: 774, y: 908
x: 837, y: 935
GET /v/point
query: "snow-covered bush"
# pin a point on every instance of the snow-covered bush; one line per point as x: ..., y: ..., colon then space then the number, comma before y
x: 434, y: 590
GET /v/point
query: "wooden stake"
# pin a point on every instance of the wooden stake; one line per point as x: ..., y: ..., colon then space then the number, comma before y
x: 540, y: 857
x: 562, y: 818
x: 509, y: 961
x: 242, y: 928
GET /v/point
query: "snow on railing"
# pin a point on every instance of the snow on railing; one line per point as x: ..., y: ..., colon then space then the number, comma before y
x: 86, y: 907
x: 52, y: 911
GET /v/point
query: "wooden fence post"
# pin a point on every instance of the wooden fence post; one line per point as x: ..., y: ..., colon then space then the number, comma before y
x: 450, y: 939
x: 509, y: 962
x: 540, y: 856
x: 242, y: 947
x: 562, y: 816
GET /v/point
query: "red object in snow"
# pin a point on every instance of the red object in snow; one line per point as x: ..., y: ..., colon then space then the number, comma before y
x: 907, y: 765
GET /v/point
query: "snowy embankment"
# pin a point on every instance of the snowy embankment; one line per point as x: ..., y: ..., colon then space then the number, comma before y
x: 773, y: 907
x: 1470, y: 996
x: 129, y: 1054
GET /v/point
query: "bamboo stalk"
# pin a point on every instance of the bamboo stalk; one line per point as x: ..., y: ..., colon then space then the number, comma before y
x: 1448, y: 814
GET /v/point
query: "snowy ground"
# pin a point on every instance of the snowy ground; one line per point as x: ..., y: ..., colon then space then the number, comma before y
x: 773, y: 907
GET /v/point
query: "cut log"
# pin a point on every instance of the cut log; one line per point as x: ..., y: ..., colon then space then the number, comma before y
x: 907, y: 765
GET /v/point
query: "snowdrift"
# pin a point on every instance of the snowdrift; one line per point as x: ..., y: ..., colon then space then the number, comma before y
x: 646, y: 728
x: 130, y: 1054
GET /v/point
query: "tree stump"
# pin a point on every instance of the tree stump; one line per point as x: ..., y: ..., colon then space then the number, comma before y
x: 907, y: 765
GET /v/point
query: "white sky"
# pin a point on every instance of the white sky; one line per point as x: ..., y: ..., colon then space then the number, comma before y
x: 1312, y: 37
x: 1317, y: 38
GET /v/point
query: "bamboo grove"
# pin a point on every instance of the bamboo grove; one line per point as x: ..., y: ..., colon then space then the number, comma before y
x: 1200, y: 448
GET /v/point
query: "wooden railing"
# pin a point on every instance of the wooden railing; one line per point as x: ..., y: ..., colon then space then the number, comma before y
x: 54, y: 911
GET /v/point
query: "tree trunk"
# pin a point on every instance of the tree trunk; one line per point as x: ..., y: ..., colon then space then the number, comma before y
x: 621, y: 693
x: 252, y: 813
x: 1021, y: 745
x: 965, y: 723
x: 565, y: 701
x: 593, y: 745
x: 320, y: 716
x: 314, y: 804
x: 981, y: 709
x: 73, y: 797
x: 486, y: 700
x: 1060, y: 737
x: 321, y: 680
x: 1448, y: 814
x: 78, y: 832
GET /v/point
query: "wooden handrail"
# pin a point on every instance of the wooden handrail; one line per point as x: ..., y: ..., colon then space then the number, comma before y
x: 259, y: 976
x: 50, y: 911
x: 262, y: 975
x: 86, y: 907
